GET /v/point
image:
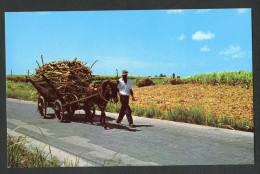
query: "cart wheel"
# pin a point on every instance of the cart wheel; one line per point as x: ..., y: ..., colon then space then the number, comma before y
x: 59, y: 110
x: 42, y: 106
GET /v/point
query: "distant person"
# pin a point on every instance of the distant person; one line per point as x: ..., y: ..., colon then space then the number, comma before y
x: 125, y: 87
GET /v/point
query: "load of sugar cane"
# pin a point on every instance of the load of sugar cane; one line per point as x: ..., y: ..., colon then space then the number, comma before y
x: 66, y: 76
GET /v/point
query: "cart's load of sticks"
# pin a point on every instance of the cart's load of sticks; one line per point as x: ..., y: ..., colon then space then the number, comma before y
x: 66, y: 74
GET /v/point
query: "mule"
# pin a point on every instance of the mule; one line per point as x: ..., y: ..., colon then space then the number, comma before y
x: 106, y: 91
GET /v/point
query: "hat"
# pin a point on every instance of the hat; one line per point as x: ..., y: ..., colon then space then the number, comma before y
x: 124, y: 72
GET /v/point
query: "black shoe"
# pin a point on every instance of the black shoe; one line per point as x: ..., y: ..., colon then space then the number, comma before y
x: 118, y: 123
x: 131, y: 125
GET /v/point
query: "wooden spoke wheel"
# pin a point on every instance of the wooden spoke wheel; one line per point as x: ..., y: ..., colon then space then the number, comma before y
x: 42, y: 106
x: 59, y: 110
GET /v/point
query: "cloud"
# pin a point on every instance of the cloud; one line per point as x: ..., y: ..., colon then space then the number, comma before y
x: 203, y: 11
x: 241, y: 11
x: 199, y: 36
x: 174, y: 11
x: 205, y: 48
x: 233, y: 51
x: 181, y: 37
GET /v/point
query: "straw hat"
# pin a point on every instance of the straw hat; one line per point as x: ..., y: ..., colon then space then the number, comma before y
x: 124, y: 72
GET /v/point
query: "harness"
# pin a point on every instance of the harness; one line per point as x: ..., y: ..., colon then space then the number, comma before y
x: 101, y: 96
x: 100, y: 93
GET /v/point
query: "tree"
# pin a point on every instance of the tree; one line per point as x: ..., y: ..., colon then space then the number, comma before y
x: 161, y: 75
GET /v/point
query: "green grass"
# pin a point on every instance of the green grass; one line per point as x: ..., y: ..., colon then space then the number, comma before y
x: 19, y: 156
x: 230, y: 78
x: 195, y: 115
x: 20, y: 90
x: 111, y: 107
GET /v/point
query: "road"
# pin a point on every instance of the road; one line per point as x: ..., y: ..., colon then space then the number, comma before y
x: 152, y: 142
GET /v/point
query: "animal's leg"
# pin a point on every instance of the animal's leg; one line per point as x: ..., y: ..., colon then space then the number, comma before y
x: 103, y: 119
x: 92, y: 114
x: 89, y: 116
x: 86, y: 115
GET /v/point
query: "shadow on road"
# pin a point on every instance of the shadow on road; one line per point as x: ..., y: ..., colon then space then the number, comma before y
x: 80, y: 118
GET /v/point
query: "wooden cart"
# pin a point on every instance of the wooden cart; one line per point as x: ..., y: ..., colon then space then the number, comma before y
x: 63, y: 104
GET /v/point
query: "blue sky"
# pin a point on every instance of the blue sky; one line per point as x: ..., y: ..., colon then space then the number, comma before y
x: 145, y: 42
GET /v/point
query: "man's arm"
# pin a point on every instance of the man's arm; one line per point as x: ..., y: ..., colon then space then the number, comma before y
x: 132, y: 94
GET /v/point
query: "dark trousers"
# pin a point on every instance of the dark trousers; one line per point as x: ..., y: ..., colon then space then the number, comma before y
x: 125, y: 110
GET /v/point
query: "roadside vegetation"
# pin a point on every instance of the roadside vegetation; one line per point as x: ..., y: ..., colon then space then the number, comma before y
x: 19, y: 156
x: 172, y: 102
x: 20, y: 90
x: 194, y: 115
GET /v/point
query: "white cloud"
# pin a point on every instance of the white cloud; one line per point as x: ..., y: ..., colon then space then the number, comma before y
x: 174, y: 11
x: 199, y: 36
x: 181, y: 37
x: 233, y: 51
x: 205, y: 48
x: 203, y: 11
x: 241, y: 10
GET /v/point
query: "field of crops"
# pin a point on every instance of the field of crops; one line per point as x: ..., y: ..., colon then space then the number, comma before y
x: 222, y: 100
x: 229, y: 78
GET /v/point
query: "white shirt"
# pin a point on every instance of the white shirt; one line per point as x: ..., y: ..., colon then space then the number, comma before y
x: 124, y: 88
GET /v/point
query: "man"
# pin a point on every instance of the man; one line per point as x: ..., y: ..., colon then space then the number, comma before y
x: 125, y: 87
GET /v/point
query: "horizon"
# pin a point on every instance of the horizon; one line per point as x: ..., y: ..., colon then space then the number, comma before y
x: 145, y: 42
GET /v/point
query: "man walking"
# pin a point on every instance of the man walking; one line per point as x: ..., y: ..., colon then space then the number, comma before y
x: 125, y: 87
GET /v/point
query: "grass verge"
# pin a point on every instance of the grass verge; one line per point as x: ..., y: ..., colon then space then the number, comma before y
x: 19, y: 156
x: 195, y: 115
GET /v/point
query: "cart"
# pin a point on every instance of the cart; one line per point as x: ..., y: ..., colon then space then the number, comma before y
x: 64, y: 104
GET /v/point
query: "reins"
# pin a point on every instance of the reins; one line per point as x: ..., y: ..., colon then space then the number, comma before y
x: 101, y: 96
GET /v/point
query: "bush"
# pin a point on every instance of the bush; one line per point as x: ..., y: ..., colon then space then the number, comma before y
x: 175, y: 81
x: 144, y: 82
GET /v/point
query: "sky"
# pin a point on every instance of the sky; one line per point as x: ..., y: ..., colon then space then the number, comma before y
x: 144, y: 42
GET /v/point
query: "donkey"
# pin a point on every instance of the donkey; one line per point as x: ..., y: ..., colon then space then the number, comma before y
x: 106, y: 91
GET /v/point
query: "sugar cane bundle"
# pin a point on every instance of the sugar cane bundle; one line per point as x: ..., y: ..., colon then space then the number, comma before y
x: 66, y: 76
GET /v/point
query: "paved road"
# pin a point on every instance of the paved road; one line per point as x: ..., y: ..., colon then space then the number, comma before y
x: 152, y: 142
